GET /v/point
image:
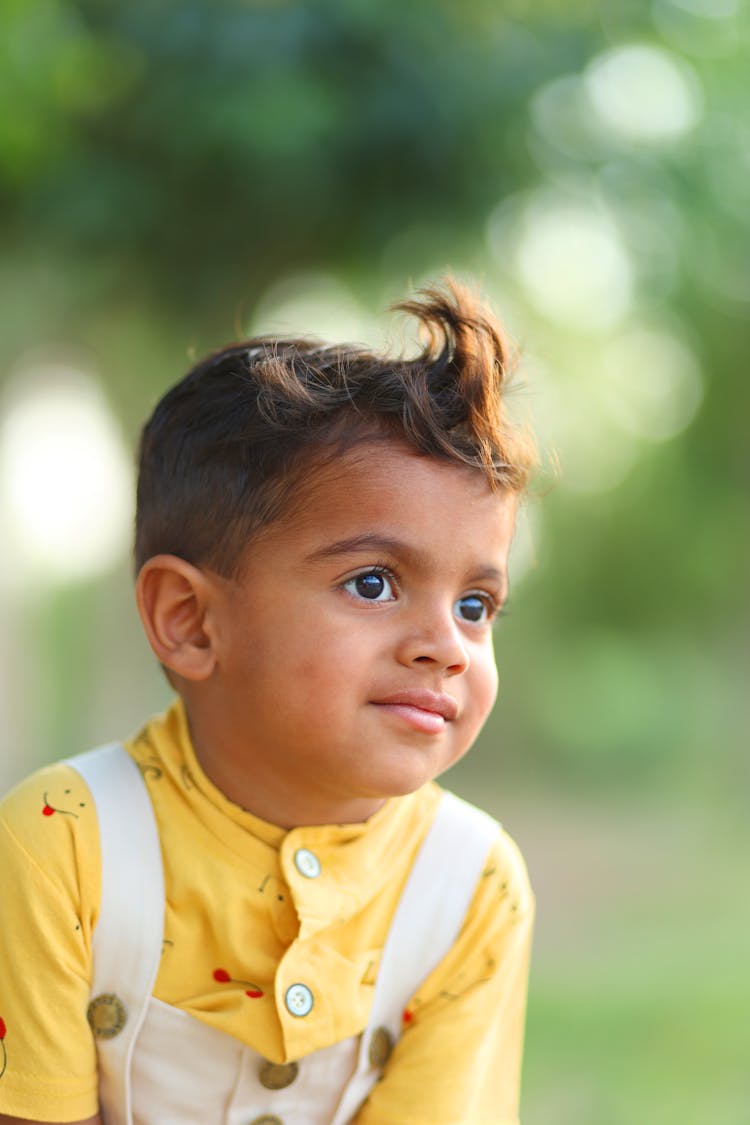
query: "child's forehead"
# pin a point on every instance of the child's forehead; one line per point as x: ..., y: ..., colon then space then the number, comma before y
x: 380, y: 473
x: 389, y: 492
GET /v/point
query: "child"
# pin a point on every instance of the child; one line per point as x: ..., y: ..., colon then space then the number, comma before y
x: 289, y: 922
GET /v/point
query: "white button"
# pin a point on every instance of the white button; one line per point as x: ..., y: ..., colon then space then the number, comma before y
x: 298, y: 999
x: 307, y: 863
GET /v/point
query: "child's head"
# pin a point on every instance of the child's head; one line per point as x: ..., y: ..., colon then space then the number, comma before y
x: 322, y: 539
x: 227, y: 447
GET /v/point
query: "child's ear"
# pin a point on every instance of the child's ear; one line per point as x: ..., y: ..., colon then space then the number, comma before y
x: 174, y: 601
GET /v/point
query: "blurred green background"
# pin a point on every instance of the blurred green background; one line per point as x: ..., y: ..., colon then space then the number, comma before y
x: 176, y: 175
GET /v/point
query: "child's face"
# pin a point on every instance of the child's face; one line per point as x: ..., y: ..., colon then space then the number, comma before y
x: 354, y: 655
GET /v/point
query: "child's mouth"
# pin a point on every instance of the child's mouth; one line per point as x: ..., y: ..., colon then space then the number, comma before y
x: 428, y: 722
x: 425, y: 711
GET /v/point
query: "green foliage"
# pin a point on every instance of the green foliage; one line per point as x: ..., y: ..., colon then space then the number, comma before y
x: 206, y: 136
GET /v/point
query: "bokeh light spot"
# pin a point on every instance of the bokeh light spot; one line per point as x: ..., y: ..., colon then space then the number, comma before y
x: 314, y: 304
x: 644, y: 93
x: 573, y: 264
x: 65, y: 478
x: 651, y: 383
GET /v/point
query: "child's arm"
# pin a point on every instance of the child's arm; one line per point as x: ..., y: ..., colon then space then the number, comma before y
x: 49, y: 860
x: 458, y: 1060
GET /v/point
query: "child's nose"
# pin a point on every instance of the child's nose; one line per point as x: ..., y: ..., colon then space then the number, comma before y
x: 436, y: 641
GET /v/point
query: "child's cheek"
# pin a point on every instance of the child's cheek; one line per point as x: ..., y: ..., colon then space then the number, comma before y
x: 487, y: 687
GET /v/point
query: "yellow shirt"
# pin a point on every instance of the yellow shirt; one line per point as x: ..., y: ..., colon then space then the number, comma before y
x: 237, y: 910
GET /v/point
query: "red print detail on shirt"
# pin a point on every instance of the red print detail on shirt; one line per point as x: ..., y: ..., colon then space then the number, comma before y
x: 48, y: 809
x: 251, y: 990
x: 3, y: 1055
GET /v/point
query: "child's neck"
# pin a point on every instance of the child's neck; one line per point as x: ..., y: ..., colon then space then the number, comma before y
x: 246, y: 780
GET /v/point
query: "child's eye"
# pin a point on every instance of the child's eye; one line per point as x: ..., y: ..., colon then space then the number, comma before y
x: 476, y: 608
x: 374, y: 585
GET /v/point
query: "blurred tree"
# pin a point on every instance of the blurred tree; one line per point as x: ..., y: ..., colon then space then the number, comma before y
x: 235, y: 139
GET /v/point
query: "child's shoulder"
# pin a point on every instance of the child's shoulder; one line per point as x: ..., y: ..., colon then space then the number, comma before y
x: 503, y: 896
x: 490, y: 953
x: 505, y: 871
x: 54, y: 790
x: 505, y: 864
x: 48, y: 825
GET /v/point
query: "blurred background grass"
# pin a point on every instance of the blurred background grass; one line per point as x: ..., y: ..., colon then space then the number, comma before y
x: 175, y: 176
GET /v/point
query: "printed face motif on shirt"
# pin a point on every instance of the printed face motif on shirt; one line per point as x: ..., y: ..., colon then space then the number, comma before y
x: 66, y: 804
x: 354, y: 653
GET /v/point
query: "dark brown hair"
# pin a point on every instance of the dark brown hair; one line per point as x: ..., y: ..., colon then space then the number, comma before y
x: 224, y: 449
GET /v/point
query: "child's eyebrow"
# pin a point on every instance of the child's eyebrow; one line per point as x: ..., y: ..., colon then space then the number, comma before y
x: 415, y: 558
x: 369, y: 541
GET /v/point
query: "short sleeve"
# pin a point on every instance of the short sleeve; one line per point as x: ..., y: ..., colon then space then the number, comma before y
x: 458, y: 1061
x: 49, y: 859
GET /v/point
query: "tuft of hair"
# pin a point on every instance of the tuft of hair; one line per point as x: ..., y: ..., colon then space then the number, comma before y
x: 460, y: 379
x: 228, y: 446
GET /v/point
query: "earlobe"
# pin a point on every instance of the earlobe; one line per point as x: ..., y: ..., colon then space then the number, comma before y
x: 174, y: 600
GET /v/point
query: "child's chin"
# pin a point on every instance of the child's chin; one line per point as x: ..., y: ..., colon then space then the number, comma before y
x: 406, y: 781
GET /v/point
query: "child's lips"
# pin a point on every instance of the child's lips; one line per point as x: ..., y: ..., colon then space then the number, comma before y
x: 426, y: 711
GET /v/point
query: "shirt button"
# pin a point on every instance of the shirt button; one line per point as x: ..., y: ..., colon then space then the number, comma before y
x: 277, y: 1076
x: 381, y: 1046
x: 298, y: 1000
x: 307, y: 863
x: 267, y: 1119
x: 107, y: 1015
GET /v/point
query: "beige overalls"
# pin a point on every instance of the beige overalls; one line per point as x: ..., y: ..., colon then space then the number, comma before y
x: 160, y: 1066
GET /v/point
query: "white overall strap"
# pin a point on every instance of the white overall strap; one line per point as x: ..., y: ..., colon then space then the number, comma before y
x: 425, y: 926
x: 129, y: 930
